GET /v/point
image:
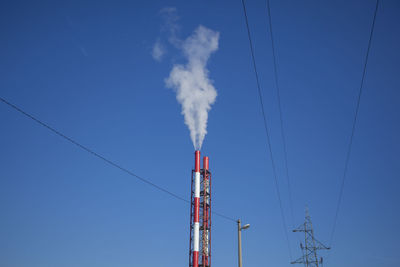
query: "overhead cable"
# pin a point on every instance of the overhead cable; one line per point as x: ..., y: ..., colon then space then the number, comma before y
x: 283, y: 136
x: 360, y: 90
x: 266, y: 128
x: 110, y: 162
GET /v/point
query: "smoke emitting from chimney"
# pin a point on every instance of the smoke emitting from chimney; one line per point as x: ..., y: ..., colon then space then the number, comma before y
x: 194, y: 90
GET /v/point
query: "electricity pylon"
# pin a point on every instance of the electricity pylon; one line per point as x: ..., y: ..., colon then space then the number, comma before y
x: 311, y: 245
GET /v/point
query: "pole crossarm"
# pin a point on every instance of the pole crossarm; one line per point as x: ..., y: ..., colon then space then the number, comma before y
x: 299, y: 260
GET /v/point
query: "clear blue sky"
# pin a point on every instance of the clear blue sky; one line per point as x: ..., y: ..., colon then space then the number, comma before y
x: 85, y: 68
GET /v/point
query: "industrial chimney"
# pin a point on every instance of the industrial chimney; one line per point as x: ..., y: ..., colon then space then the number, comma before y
x: 200, y: 214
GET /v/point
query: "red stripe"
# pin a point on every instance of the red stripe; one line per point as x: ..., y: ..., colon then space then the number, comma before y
x: 197, y: 161
x: 195, y: 258
x: 196, y: 209
x: 205, y: 163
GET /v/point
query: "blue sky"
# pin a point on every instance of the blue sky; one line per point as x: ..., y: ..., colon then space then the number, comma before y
x: 86, y: 68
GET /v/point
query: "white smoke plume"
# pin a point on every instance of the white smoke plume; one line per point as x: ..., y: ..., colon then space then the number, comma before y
x: 171, y: 26
x: 194, y: 90
x: 158, y: 51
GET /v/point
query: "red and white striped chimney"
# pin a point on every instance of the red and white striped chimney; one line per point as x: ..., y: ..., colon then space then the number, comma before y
x: 196, y: 232
x: 206, y: 202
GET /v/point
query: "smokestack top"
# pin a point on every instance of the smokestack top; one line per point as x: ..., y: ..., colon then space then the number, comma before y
x: 205, y: 163
x: 197, y: 161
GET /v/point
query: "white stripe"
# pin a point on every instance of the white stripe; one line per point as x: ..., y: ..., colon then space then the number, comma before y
x: 196, y: 236
x: 197, y: 184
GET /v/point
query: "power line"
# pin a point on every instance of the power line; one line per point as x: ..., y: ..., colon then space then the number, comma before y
x: 346, y: 164
x: 280, y: 110
x: 266, y: 128
x: 110, y: 162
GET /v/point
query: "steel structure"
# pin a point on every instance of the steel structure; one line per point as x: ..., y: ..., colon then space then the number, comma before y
x: 200, y: 214
x: 311, y: 245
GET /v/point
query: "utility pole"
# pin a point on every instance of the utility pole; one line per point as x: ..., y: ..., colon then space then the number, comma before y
x: 311, y: 245
x: 240, y: 228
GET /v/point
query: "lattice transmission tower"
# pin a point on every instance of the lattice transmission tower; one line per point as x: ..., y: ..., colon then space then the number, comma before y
x: 311, y: 245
